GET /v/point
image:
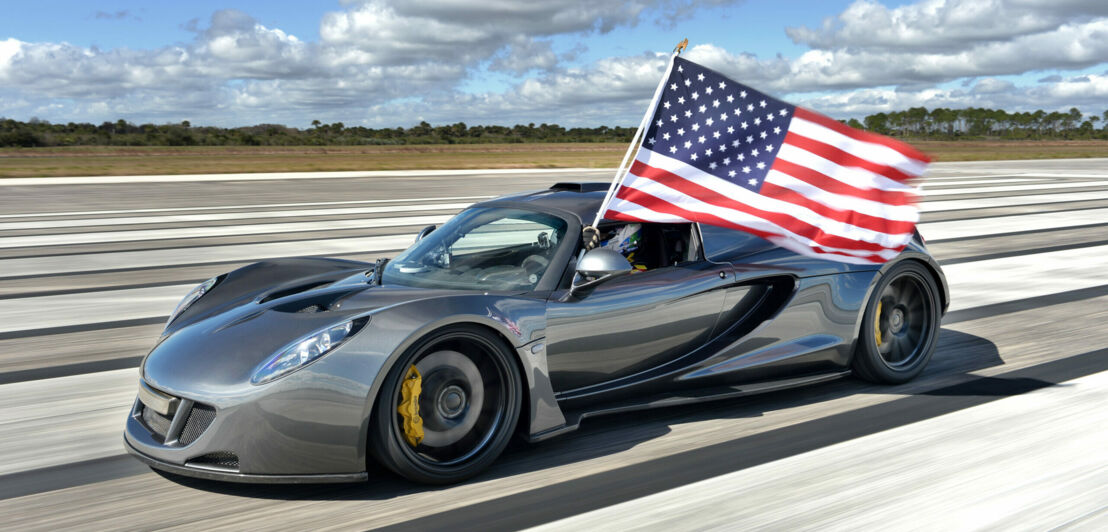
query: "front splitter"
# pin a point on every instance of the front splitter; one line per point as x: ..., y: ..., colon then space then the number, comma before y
x: 230, y: 476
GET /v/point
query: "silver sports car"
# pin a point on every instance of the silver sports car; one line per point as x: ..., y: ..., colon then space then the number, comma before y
x: 500, y: 323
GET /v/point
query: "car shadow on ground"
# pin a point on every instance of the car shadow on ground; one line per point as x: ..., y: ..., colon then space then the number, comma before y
x: 949, y: 373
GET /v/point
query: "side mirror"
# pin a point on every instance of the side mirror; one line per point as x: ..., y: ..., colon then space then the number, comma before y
x: 424, y: 232
x: 599, y: 265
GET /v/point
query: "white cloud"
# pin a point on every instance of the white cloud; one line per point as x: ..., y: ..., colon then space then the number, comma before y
x: 1089, y: 93
x: 942, y: 25
x: 1070, y: 46
x: 525, y: 55
x: 369, y: 54
x: 388, y: 63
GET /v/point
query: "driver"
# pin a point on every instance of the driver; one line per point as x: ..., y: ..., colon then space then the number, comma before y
x: 626, y: 242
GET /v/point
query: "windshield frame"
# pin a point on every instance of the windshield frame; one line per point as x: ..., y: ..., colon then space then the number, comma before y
x: 558, y: 262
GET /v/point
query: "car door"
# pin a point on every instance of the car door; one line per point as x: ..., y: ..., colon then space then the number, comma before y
x: 632, y: 323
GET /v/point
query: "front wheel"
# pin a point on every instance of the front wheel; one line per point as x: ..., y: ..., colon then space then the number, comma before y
x: 448, y: 408
x: 900, y: 327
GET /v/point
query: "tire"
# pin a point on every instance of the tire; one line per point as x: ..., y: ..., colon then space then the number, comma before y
x: 470, y: 403
x: 895, y: 345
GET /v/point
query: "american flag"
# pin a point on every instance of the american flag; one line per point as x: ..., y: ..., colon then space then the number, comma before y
x: 720, y: 153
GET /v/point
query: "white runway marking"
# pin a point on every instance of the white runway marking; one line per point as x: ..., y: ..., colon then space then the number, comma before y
x: 213, y: 231
x: 89, y: 307
x: 985, y: 282
x: 1023, y: 462
x: 1010, y: 188
x: 932, y: 179
x: 413, y: 201
x: 938, y: 231
x: 91, y: 262
x: 1032, y: 461
x: 177, y: 218
x: 1070, y: 176
x: 105, y: 180
x: 90, y: 407
x: 930, y: 184
x: 1009, y: 201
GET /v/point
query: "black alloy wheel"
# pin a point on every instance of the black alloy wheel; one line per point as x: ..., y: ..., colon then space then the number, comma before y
x: 900, y: 327
x: 469, y: 402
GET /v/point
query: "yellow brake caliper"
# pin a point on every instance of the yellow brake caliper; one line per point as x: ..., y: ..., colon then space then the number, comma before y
x: 409, y: 406
x: 876, y: 324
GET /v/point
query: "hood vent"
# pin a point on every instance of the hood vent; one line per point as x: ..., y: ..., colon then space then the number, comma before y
x: 581, y: 187
x: 315, y: 302
x: 293, y: 290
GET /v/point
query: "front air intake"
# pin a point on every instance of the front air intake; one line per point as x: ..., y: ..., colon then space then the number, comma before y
x: 199, y: 418
x: 223, y: 461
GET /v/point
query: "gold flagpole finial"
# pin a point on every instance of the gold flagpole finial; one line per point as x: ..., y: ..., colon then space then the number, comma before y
x: 681, y: 46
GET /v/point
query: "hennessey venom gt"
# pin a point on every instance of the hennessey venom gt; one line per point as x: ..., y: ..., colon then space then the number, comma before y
x: 501, y: 323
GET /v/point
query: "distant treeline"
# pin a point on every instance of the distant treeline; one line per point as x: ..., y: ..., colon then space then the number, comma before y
x: 122, y: 133
x: 914, y: 123
x: 980, y: 123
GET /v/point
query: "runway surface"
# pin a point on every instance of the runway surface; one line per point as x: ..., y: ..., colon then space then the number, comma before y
x: 1007, y: 428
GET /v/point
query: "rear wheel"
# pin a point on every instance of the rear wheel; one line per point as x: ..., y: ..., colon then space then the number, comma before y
x: 901, y: 326
x: 448, y: 408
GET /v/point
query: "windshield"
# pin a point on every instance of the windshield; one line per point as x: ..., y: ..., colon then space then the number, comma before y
x: 481, y: 249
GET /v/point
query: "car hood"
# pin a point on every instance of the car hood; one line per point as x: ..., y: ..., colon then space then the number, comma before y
x: 216, y: 347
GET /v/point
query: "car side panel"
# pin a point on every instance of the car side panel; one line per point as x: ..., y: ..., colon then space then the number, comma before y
x: 632, y: 324
x: 814, y: 333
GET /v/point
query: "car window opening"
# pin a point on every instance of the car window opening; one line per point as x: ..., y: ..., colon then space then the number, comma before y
x: 649, y: 246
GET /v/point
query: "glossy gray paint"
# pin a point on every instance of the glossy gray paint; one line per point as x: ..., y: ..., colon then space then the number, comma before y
x: 745, y: 318
x: 314, y: 420
x: 633, y: 323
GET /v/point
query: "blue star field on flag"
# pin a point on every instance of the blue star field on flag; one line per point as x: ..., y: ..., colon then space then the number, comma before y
x: 721, y: 127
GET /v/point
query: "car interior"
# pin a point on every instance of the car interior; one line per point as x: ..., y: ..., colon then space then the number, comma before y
x: 659, y: 246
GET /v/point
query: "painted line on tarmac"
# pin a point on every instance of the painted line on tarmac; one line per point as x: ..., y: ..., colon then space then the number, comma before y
x: 1010, y: 188
x: 283, y: 176
x: 1009, y: 201
x: 112, y: 261
x: 423, y: 207
x: 69, y: 370
x: 246, y: 207
x: 1052, y: 209
x: 1021, y: 252
x: 1027, y: 303
x: 214, y: 231
x: 931, y: 185
x: 950, y: 230
x: 558, y: 500
x: 90, y: 289
x: 554, y: 501
x: 1070, y: 176
x: 975, y: 464
x: 68, y: 475
x: 56, y: 311
x: 932, y: 178
x: 987, y: 282
x: 253, y: 215
x: 1018, y: 233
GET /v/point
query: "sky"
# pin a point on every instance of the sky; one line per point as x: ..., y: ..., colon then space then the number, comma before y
x: 390, y: 63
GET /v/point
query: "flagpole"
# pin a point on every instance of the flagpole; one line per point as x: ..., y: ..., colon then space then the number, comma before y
x: 621, y: 171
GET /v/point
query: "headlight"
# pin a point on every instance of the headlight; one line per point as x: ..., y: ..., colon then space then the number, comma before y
x: 191, y: 298
x: 305, y: 351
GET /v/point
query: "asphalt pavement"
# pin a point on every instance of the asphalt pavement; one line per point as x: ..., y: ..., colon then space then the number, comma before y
x: 1006, y: 429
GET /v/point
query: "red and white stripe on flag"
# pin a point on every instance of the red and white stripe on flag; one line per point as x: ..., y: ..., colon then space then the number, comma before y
x: 832, y: 192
